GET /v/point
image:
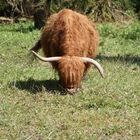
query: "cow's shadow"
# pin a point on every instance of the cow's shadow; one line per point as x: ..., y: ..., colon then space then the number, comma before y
x: 36, y: 86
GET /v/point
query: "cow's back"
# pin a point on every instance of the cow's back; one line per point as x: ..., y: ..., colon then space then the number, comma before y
x: 69, y: 33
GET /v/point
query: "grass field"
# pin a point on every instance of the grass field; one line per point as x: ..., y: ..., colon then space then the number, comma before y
x: 33, y: 108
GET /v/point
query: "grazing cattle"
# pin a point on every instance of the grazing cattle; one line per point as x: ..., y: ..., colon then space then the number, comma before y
x: 69, y: 42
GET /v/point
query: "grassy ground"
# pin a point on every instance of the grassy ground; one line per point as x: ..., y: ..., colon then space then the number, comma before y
x: 33, y: 108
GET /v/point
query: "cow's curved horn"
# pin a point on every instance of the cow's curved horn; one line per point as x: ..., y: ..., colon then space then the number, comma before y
x: 46, y: 59
x: 95, y: 63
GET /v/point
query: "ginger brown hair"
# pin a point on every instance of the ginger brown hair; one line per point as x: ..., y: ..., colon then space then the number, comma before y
x: 70, y: 35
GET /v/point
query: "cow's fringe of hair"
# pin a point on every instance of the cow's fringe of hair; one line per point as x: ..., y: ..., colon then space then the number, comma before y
x: 71, y: 70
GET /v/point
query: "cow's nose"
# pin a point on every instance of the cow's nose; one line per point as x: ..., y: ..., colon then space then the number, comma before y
x: 71, y: 90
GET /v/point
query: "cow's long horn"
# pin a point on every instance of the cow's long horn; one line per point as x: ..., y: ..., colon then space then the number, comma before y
x: 46, y: 59
x: 95, y: 63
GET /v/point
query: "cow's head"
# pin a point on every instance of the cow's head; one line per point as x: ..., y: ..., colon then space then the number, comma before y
x: 71, y: 69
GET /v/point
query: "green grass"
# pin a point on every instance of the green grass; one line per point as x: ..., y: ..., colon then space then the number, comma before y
x: 33, y: 108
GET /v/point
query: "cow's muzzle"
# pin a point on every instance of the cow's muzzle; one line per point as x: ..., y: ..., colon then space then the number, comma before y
x: 72, y: 90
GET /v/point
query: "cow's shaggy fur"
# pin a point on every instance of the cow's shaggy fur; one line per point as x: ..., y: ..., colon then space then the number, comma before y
x: 70, y: 35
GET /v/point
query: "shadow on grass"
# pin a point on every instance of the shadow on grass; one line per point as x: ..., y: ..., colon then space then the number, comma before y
x: 35, y: 86
x: 128, y: 58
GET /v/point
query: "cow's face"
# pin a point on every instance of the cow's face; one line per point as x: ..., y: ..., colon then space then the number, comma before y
x: 71, y: 71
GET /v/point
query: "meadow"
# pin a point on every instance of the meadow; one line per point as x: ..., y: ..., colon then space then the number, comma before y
x: 32, y: 107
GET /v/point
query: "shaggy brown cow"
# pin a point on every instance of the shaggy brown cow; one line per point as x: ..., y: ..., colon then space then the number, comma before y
x: 69, y: 41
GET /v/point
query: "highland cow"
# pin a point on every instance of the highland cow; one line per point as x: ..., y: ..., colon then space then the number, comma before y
x: 69, y: 42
